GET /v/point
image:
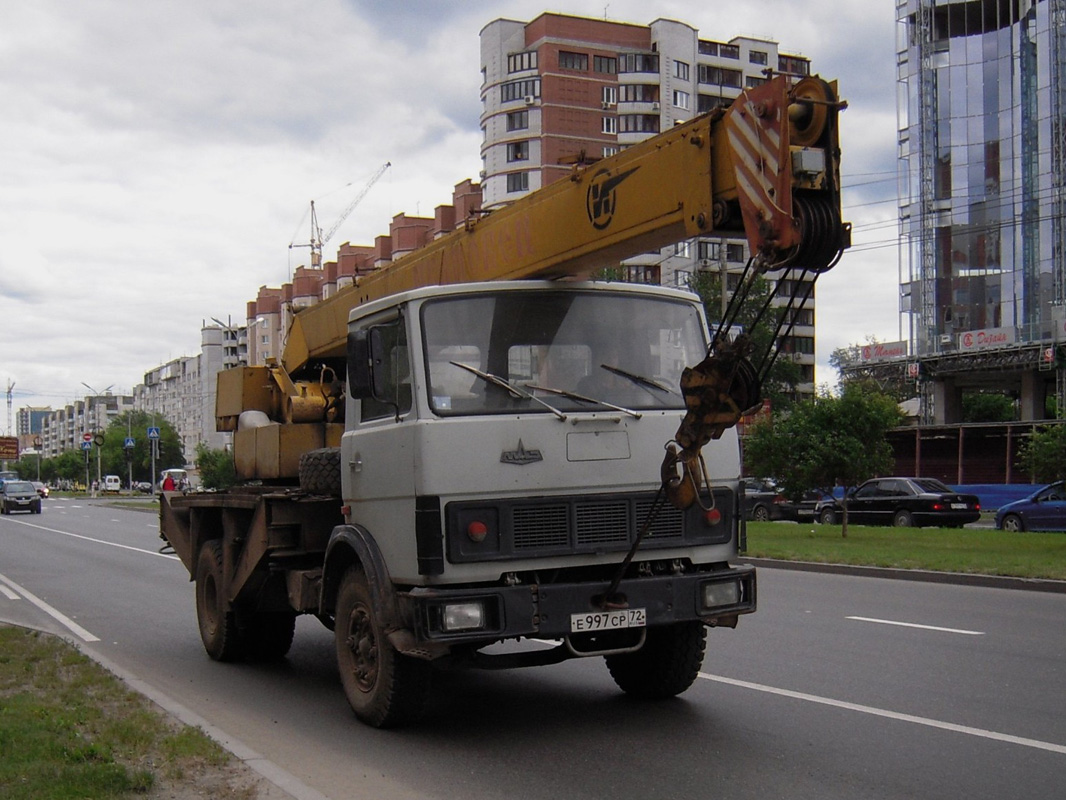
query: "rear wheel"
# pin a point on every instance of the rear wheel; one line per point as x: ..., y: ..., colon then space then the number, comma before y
x: 903, y: 519
x: 665, y: 666
x: 1013, y: 523
x: 217, y: 620
x: 383, y: 687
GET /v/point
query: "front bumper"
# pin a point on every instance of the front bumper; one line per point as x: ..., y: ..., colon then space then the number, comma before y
x: 544, y: 610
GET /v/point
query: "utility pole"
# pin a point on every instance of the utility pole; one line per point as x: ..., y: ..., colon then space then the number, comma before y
x: 10, y: 390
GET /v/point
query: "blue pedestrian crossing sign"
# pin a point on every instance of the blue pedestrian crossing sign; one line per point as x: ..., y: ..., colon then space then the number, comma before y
x: 86, y: 445
x: 129, y: 443
x: 153, y: 433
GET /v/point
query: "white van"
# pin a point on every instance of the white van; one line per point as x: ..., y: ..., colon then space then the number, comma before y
x: 112, y: 483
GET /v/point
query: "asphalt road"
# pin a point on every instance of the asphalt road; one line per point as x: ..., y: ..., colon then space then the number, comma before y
x: 838, y: 687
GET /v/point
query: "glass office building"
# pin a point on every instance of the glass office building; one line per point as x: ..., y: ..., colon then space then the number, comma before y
x: 982, y: 148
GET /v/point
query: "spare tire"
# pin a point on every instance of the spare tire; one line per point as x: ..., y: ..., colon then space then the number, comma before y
x: 320, y: 471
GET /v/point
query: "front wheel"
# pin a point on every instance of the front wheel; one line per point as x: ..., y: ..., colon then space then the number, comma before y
x: 760, y: 514
x: 383, y: 687
x: 827, y: 516
x: 665, y: 666
x: 1013, y: 523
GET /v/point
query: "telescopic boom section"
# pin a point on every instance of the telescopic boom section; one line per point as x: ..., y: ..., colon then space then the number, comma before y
x: 735, y: 171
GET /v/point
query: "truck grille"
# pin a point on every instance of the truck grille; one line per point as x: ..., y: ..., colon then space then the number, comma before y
x: 581, y: 524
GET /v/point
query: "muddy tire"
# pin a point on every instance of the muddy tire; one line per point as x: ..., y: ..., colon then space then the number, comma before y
x: 383, y: 687
x: 217, y: 620
x: 665, y: 666
x: 320, y: 471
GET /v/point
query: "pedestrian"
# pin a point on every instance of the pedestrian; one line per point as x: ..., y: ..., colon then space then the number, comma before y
x: 168, y: 483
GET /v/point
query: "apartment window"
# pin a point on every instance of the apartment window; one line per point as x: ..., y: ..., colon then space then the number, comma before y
x: 638, y: 62
x: 729, y: 50
x: 754, y: 80
x: 609, y: 96
x: 609, y: 150
x: 517, y: 90
x: 734, y: 252
x: 758, y: 57
x: 719, y: 76
x: 707, y: 102
x: 681, y: 70
x: 518, y: 151
x: 638, y: 123
x: 793, y: 65
x: 575, y: 61
x: 683, y: 249
x: 642, y: 274
x: 609, y: 125
x: 518, y: 182
x: 518, y: 120
x: 608, y: 65
x: 638, y: 93
x: 708, y: 48
x: 681, y: 99
x: 519, y: 62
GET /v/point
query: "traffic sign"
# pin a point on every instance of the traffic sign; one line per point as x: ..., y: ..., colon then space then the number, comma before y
x: 129, y: 443
x: 87, y: 444
x: 86, y: 437
x: 153, y: 433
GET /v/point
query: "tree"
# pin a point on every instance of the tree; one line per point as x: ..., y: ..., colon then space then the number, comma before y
x: 216, y: 467
x: 987, y: 407
x: 135, y: 424
x: 780, y: 383
x: 831, y: 441
x: 1044, y: 455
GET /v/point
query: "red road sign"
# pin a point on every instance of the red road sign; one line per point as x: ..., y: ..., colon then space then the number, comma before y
x: 86, y: 437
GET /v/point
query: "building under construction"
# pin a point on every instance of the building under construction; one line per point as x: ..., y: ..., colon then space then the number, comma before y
x: 982, y: 182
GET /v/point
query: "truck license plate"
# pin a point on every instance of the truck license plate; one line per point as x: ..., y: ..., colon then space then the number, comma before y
x: 608, y: 620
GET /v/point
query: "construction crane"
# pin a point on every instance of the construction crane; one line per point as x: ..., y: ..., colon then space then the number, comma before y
x: 317, y: 239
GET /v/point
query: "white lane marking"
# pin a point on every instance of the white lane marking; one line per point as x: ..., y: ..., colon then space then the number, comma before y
x: 10, y: 595
x: 881, y: 712
x: 57, y: 615
x: 96, y: 541
x: 916, y: 625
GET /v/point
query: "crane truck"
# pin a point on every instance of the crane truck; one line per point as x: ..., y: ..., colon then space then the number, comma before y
x: 477, y: 457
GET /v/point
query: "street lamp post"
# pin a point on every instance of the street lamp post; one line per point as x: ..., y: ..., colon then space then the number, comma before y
x: 98, y: 436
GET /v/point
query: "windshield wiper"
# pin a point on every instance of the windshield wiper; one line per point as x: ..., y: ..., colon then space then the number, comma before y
x: 640, y: 380
x: 584, y: 399
x: 512, y: 389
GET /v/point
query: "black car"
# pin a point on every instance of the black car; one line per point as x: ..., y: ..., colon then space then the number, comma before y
x: 905, y: 503
x: 763, y: 501
x: 19, y: 496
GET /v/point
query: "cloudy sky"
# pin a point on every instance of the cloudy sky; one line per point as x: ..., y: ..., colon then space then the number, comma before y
x: 158, y: 157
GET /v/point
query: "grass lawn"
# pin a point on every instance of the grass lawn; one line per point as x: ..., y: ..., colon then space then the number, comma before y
x: 70, y: 729
x: 980, y: 551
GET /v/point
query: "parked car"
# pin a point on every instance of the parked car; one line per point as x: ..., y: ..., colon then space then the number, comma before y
x: 807, y: 507
x: 1043, y: 510
x: 144, y: 487
x: 42, y: 490
x: 19, y: 496
x: 762, y: 500
x: 904, y: 503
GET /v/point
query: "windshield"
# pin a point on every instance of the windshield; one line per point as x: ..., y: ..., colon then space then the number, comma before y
x: 14, y: 487
x: 564, y: 350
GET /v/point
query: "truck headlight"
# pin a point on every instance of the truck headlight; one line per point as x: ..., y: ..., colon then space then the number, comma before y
x: 719, y: 594
x: 465, y: 616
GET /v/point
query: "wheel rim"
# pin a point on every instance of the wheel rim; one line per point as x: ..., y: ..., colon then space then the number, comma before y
x: 362, y: 644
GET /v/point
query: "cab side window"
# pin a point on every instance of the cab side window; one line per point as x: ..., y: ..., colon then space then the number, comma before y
x: 395, y: 368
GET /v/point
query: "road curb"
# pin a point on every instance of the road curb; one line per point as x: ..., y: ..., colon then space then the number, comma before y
x: 927, y: 576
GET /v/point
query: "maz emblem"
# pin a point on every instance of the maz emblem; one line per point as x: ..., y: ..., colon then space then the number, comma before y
x: 521, y: 456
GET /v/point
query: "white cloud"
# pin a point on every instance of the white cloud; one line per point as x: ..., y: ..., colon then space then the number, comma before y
x: 159, y: 156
